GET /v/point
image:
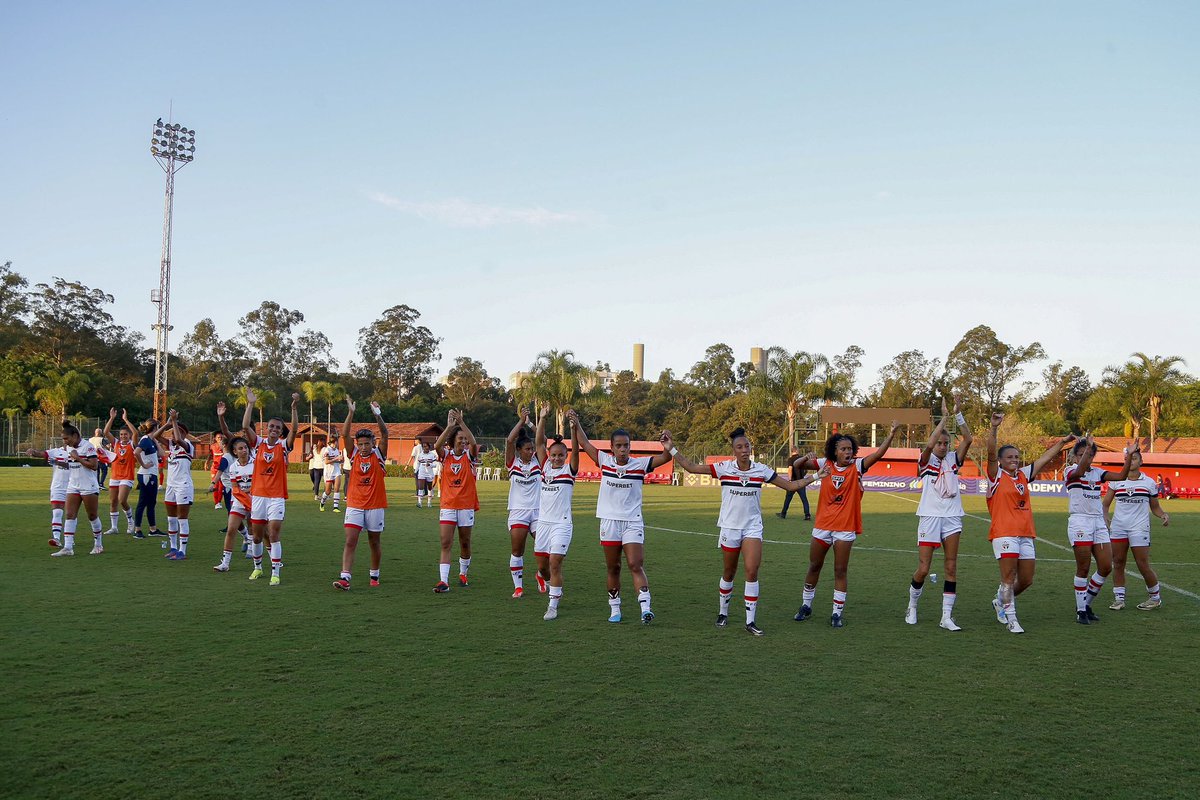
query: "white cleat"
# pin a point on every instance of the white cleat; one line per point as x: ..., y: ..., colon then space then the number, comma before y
x: 111, y: 532
x: 551, y: 613
x: 97, y: 550
x: 1015, y: 627
x: 1000, y: 615
x: 1118, y: 605
x: 63, y: 552
x: 218, y: 507
x: 949, y: 624
x: 910, y: 616
x: 1150, y: 605
x: 222, y: 567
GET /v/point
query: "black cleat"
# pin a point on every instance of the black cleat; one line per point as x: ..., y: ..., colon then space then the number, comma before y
x: 804, y: 613
x: 1082, y: 618
x: 753, y: 629
x: 647, y: 617
x: 781, y: 515
x: 441, y: 588
x: 722, y: 621
x: 1091, y: 615
x: 836, y: 621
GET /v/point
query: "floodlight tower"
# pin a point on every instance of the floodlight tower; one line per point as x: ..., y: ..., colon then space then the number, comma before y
x: 173, y: 147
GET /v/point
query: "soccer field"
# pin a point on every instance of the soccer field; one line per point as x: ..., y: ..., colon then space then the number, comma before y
x: 126, y: 675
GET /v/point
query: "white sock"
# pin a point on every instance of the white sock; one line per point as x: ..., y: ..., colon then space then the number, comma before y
x: 463, y: 565
x: 839, y: 601
x: 173, y: 532
x: 256, y: 552
x: 226, y: 555
x: 1119, y: 593
x: 276, y: 558
x: 1080, y: 593
x: 112, y: 517
x: 555, y: 595
x: 948, y: 599
x: 56, y: 524
x: 69, y: 527
x: 914, y: 594
x: 750, y: 592
x: 337, y: 496
x: 444, y: 573
x: 185, y: 526
x: 128, y: 520
x: 345, y: 576
x: 1155, y: 591
x: 726, y: 589
x: 810, y: 594
x: 644, y: 599
x: 614, y: 601
x: 1094, y: 586
x: 516, y: 565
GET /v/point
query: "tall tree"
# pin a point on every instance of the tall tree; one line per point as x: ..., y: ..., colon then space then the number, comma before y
x: 557, y: 379
x: 14, y: 305
x: 909, y: 381
x: 1156, y: 379
x: 791, y: 382
x: 1066, y: 389
x: 845, y: 368
x: 59, y: 388
x: 313, y: 354
x: 981, y: 366
x: 468, y: 384
x: 74, y: 326
x: 715, y: 372
x: 267, y: 337
x: 396, y: 350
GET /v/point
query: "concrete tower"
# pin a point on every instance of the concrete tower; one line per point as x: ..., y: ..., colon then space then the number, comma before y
x: 639, y: 361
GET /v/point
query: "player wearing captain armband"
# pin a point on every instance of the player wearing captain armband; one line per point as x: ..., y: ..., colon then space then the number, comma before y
x: 1128, y: 505
x: 940, y: 513
x: 740, y: 519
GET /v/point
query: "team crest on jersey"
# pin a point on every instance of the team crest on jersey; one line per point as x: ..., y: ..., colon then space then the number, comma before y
x: 268, y: 457
x: 745, y: 481
x: 838, y: 480
x: 364, y: 467
x: 620, y: 472
x: 1020, y: 488
x: 455, y: 468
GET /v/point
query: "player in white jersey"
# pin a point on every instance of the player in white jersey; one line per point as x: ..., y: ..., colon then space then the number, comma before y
x: 239, y: 471
x: 1085, y: 522
x: 740, y: 520
x: 524, y: 498
x: 1135, y: 498
x: 180, y: 490
x: 940, y: 513
x: 83, y: 489
x: 554, y: 524
x: 425, y: 467
x: 333, y: 473
x: 619, y: 509
x: 60, y: 476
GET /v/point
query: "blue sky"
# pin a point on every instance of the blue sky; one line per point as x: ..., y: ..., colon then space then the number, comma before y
x: 590, y: 175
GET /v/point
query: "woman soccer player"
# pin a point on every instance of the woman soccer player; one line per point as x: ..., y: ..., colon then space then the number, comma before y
x: 316, y: 468
x: 366, y: 496
x: 425, y: 468
x: 839, y: 517
x: 1012, y: 531
x: 619, y: 509
x: 240, y: 472
x: 1136, y: 499
x: 333, y: 473
x: 1086, y: 528
x: 460, y: 500
x: 940, y: 513
x: 213, y: 464
x: 740, y: 520
x: 269, y: 489
x: 180, y: 491
x: 146, y: 454
x: 124, y: 471
x: 60, y: 478
x: 555, y: 524
x: 83, y: 489
x: 524, y: 484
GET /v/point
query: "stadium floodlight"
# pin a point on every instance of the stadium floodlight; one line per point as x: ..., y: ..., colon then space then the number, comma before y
x: 172, y: 146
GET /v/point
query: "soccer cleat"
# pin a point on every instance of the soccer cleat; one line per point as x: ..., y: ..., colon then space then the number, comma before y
x: 179, y: 556
x: 1118, y: 604
x: 551, y: 613
x: 255, y: 574
x: 111, y: 531
x: 54, y: 543
x: 541, y: 583
x: 518, y: 593
x: 1001, y: 617
x: 322, y: 508
x: 222, y: 567
x: 1082, y: 618
x: 1148, y: 605
x: 804, y: 613
x: 63, y: 552
x: 615, y: 616
x: 753, y: 629
x: 97, y: 550
x: 647, y: 617
x: 441, y: 588
x: 139, y: 535
x: 835, y: 621
x: 342, y: 583
x: 722, y: 620
x: 910, y: 616
x: 335, y: 506
x: 374, y: 582
x: 1014, y: 626
x: 157, y: 532
x: 949, y: 624
x: 217, y: 507
x: 1091, y: 615
x: 171, y: 553
x: 274, y: 580
x: 462, y: 580
x: 781, y: 515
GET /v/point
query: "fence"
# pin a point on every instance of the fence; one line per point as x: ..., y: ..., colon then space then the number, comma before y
x: 22, y: 432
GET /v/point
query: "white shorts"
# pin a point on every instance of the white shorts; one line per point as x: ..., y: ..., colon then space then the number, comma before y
x: 58, y: 496
x: 179, y: 495
x: 829, y: 537
x: 1013, y: 547
x: 332, y: 473
x: 932, y: 531
x: 1135, y: 538
x: 369, y: 519
x: 460, y: 517
x: 240, y: 510
x: 84, y: 491
x: 619, y: 532
x: 553, y: 539
x: 731, y: 538
x: 1086, y: 530
x: 117, y: 484
x: 425, y: 475
x: 523, y: 518
x: 267, y: 509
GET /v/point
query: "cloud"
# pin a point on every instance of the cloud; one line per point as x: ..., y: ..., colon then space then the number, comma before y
x: 461, y: 213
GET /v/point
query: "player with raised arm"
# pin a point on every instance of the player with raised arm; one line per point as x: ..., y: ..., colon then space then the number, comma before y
x: 940, y: 513
x: 839, y: 517
x: 146, y: 454
x: 60, y: 478
x: 1136, y: 499
x: 619, y: 509
x: 333, y: 458
x: 460, y: 498
x: 123, y: 462
x: 240, y: 471
x: 217, y: 488
x: 555, y: 525
x: 269, y: 489
x: 524, y: 484
x: 1086, y: 527
x: 83, y: 488
x: 1012, y: 531
x: 740, y: 519
x: 180, y: 491
x: 366, y: 496
x: 425, y: 468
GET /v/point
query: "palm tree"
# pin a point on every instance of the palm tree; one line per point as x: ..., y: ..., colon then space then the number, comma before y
x: 556, y: 379
x: 10, y: 413
x: 1158, y: 379
x: 59, y: 389
x: 261, y: 398
x: 309, y: 391
x: 792, y: 380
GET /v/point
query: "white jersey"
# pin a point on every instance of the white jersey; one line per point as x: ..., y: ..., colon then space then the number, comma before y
x: 741, y: 493
x: 332, y: 457
x: 82, y: 480
x: 179, y: 464
x: 427, y: 465
x: 56, y: 457
x: 1083, y: 491
x: 621, y: 487
x: 1131, y: 506
x: 558, y: 487
x: 524, y: 484
x: 241, y: 476
x: 939, y: 478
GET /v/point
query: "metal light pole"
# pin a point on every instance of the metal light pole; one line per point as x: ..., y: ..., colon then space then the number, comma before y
x: 173, y: 146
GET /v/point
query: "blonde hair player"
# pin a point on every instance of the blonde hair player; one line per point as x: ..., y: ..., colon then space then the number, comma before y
x: 555, y: 525
x: 460, y: 500
x: 740, y: 519
x: 940, y: 513
x: 1012, y: 531
x: 524, y: 492
x: 1135, y: 498
x: 366, y: 495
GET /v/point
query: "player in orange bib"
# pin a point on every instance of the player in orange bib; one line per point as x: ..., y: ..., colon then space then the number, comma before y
x: 1011, y: 507
x: 366, y: 494
x: 460, y: 499
x: 839, y: 516
x: 124, y: 469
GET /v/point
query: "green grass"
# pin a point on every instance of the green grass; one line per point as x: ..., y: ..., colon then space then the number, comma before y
x: 128, y: 676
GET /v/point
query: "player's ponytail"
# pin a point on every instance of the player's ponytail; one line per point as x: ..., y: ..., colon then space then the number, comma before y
x: 737, y: 433
x: 70, y: 430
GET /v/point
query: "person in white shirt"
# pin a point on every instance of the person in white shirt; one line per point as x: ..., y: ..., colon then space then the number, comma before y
x: 740, y: 520
x: 940, y: 513
x: 555, y: 525
x: 60, y: 476
x: 316, y: 468
x: 83, y: 489
x: 524, y: 498
x: 426, y: 465
x: 1128, y: 505
x: 619, y: 509
x: 180, y: 490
